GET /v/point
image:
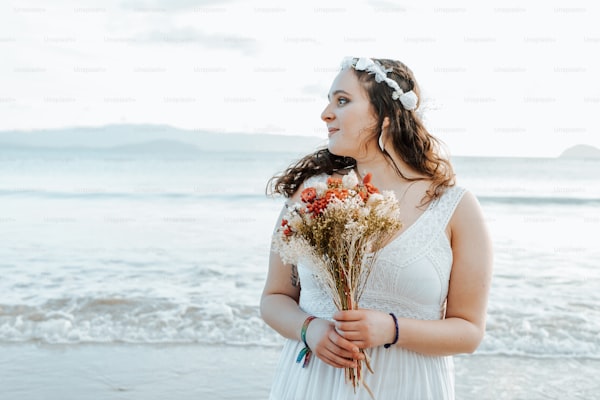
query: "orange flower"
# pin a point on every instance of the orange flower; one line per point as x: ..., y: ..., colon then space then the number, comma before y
x: 309, y: 195
x: 367, y: 178
x: 317, y: 207
x: 363, y: 195
x: 334, y: 182
x: 371, y: 189
x: 337, y: 193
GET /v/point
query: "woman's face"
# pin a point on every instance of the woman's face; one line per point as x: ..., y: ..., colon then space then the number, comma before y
x: 349, y: 117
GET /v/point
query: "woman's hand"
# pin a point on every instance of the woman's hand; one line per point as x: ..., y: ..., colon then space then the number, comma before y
x: 330, y: 347
x: 365, y: 328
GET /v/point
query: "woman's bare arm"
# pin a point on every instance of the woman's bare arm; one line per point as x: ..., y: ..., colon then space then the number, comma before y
x: 280, y: 310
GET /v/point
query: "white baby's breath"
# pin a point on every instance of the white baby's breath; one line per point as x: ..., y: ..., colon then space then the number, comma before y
x: 374, y: 199
x: 350, y: 180
x: 296, y: 222
x: 321, y: 188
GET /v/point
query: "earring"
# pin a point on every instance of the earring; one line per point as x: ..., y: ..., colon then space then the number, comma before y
x: 381, y: 142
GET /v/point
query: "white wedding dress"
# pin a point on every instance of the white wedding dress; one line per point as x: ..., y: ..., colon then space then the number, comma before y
x: 410, y: 279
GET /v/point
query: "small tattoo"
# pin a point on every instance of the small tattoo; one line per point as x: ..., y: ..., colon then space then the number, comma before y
x: 295, y: 277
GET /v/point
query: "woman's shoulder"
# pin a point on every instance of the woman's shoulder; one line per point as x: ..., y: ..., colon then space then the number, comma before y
x: 467, y: 206
x: 450, y: 196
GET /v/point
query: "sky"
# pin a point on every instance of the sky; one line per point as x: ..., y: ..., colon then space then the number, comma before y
x: 505, y: 78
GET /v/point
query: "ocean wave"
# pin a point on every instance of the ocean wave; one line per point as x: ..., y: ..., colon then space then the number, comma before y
x: 133, y: 320
x: 135, y: 195
x: 554, y: 333
x: 539, y: 200
x: 225, y: 195
x: 162, y: 321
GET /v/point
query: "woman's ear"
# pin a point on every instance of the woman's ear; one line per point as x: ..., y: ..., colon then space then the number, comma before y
x: 384, y: 126
x: 386, y: 123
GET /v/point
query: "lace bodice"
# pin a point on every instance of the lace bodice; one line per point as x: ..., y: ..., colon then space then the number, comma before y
x: 411, y: 275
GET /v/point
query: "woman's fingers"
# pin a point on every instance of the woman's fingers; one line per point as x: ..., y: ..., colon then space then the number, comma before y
x: 340, y: 352
x: 343, y: 343
x: 364, y: 328
x: 337, y: 361
x: 348, y: 328
x: 329, y: 346
x: 348, y: 315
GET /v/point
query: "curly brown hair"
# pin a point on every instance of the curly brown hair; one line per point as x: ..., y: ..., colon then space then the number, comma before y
x: 410, y: 140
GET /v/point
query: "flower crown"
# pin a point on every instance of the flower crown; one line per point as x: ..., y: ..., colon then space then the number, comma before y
x: 408, y: 99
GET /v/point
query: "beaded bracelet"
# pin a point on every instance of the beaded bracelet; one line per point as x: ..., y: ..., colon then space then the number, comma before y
x: 306, y: 352
x: 387, y: 346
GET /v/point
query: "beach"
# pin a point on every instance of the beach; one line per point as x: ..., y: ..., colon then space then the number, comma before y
x: 139, y: 277
x: 146, y: 372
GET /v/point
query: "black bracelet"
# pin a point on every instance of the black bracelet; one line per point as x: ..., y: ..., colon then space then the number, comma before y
x: 387, y: 346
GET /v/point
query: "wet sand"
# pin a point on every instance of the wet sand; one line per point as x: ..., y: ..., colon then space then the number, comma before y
x: 146, y: 372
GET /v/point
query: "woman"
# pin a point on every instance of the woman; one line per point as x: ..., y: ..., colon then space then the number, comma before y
x: 426, y: 297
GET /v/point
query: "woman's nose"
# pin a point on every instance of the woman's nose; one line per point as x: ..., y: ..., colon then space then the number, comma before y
x: 327, y: 115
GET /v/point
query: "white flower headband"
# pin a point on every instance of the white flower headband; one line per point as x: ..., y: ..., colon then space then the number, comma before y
x: 408, y: 99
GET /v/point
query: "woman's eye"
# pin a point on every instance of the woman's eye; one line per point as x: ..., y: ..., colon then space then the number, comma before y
x: 342, y: 100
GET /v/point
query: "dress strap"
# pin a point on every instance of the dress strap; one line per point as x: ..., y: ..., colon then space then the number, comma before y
x: 444, y: 206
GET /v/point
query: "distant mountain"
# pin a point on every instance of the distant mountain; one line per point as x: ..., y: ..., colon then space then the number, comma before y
x: 152, y: 138
x: 157, y: 146
x: 581, y: 151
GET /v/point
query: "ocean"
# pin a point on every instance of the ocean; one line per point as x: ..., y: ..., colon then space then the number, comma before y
x: 161, y: 248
